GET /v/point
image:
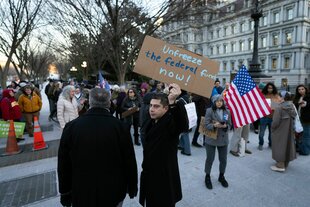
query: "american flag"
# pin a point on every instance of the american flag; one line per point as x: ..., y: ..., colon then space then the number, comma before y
x: 244, y: 100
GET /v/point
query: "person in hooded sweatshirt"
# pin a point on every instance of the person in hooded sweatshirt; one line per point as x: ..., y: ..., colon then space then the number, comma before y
x: 283, y: 143
x: 9, y: 106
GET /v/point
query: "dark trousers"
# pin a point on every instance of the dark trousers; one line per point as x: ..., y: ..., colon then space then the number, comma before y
x: 222, y: 153
x: 132, y: 120
x: 196, y: 133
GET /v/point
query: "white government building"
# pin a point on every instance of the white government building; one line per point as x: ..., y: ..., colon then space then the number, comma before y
x: 226, y: 34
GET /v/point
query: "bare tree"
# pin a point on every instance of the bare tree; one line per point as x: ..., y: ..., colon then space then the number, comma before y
x: 32, y: 61
x: 118, y: 27
x: 18, y: 18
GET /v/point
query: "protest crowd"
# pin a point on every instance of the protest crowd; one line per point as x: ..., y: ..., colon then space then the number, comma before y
x: 156, y: 113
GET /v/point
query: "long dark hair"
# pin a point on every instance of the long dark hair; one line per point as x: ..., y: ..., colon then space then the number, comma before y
x: 297, y: 94
x: 274, y: 89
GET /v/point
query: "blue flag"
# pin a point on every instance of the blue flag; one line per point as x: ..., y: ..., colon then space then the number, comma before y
x: 103, y: 83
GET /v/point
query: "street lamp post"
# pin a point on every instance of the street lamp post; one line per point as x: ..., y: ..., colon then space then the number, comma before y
x: 255, y: 65
x: 254, y: 69
x: 84, y: 66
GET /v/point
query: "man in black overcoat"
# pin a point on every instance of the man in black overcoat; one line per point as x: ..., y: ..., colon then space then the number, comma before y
x: 96, y: 158
x: 160, y: 179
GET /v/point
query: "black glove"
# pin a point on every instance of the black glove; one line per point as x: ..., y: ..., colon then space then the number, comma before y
x: 66, y: 199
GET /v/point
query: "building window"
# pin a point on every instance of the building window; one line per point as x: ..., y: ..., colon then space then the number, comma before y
x: 211, y: 34
x: 251, y: 44
x: 225, y: 49
x: 233, y: 29
x: 224, y: 66
x: 218, y: 33
x: 288, y: 37
x: 247, y: 3
x: 211, y: 51
x: 217, y: 49
x: 274, y: 63
x: 242, y: 46
x: 287, y: 62
x: 242, y: 28
x: 276, y: 17
x: 264, y: 42
x: 275, y: 40
x: 251, y: 25
x: 284, y: 82
x: 185, y: 38
x: 262, y: 63
x: 289, y: 13
x: 233, y: 47
x: 225, y: 31
x: 240, y: 63
x: 232, y: 66
x: 264, y: 21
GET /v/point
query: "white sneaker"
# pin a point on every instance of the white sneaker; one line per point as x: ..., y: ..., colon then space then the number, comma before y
x: 275, y: 168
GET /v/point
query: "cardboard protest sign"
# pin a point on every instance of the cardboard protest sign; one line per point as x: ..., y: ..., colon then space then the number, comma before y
x: 5, y: 125
x: 169, y: 64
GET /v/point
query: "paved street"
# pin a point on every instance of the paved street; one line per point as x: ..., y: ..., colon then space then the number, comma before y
x: 30, y: 178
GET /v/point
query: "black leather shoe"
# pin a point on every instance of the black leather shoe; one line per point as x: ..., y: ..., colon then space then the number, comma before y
x: 196, y: 144
x: 208, y: 182
x: 183, y: 153
x: 223, y: 181
x: 20, y: 139
x: 234, y: 153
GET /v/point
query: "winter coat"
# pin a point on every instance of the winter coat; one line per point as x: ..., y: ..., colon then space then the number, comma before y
x: 9, y: 107
x: 222, y: 133
x: 66, y: 110
x: 119, y: 101
x: 201, y: 104
x: 129, y: 103
x: 96, y: 160
x: 160, y: 181
x: 282, y: 132
x: 30, y: 104
x: 305, y: 111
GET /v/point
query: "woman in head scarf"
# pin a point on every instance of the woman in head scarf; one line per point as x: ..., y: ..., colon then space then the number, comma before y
x: 217, y: 118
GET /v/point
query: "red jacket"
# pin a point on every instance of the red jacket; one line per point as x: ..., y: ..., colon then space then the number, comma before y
x: 9, y: 107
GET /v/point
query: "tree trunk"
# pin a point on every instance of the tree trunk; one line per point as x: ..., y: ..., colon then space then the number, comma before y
x: 4, y: 75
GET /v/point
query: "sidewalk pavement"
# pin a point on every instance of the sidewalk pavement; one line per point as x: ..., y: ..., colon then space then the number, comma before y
x: 30, y: 178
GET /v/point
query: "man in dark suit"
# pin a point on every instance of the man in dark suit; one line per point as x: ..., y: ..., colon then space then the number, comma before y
x: 96, y: 159
x: 160, y: 179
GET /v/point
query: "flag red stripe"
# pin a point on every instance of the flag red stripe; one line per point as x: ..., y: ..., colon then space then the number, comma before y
x: 241, y: 111
x: 248, y: 108
x: 248, y: 105
x: 231, y: 106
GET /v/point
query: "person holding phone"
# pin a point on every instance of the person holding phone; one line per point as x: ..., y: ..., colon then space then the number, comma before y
x: 302, y: 103
x: 217, y: 118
